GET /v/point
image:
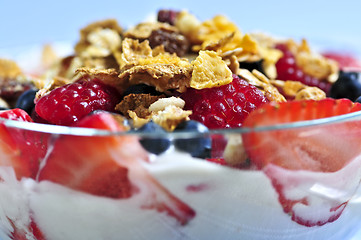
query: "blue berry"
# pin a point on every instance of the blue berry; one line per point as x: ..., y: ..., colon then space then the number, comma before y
x: 26, y: 100
x: 199, y: 146
x: 258, y: 65
x: 141, y: 88
x: 358, y: 99
x: 348, y: 85
x: 152, y: 144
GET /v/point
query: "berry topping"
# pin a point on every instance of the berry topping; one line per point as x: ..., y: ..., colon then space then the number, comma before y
x: 84, y: 164
x: 348, y: 85
x: 153, y: 145
x: 21, y: 149
x: 257, y: 65
x: 295, y: 159
x: 141, y: 89
x: 167, y: 16
x: 198, y: 147
x: 226, y: 106
x: 26, y: 100
x: 287, y: 69
x: 68, y: 104
x: 110, y: 166
x: 27, y: 232
x: 16, y: 114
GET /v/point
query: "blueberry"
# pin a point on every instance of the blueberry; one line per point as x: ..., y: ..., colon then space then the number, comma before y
x: 348, y: 85
x: 258, y: 65
x: 199, y: 146
x: 141, y: 88
x: 151, y: 144
x: 358, y: 99
x: 26, y: 100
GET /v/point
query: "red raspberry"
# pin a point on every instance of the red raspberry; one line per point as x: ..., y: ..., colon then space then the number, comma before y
x: 67, y: 104
x: 287, y: 69
x: 223, y: 107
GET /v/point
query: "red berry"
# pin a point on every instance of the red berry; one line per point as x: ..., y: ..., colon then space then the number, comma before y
x: 16, y: 114
x: 226, y: 106
x: 21, y: 149
x: 68, y: 104
x: 287, y: 69
x: 296, y: 159
x: 110, y: 166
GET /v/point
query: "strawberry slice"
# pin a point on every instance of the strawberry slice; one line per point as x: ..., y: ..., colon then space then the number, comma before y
x: 308, y: 165
x: 32, y: 232
x: 21, y: 149
x: 109, y: 166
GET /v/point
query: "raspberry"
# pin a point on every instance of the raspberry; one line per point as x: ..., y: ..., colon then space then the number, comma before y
x: 287, y: 69
x: 226, y: 106
x: 67, y: 104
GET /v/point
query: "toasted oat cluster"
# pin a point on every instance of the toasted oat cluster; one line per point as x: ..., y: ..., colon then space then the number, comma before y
x: 153, y: 64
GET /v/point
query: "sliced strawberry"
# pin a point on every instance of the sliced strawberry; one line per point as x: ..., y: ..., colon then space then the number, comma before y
x: 21, y: 149
x: 299, y: 159
x: 80, y: 162
x: 109, y: 166
x: 220, y: 161
x: 32, y: 232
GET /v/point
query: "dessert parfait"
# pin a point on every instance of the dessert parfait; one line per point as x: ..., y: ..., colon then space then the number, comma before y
x: 179, y: 128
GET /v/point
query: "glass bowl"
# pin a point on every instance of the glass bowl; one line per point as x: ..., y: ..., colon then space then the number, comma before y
x: 173, y: 195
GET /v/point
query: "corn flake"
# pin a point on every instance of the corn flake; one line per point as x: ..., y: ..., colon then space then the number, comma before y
x: 99, y: 38
x: 313, y: 63
x: 142, y: 31
x: 260, y: 81
x: 140, y: 64
x: 138, y: 103
x: 9, y: 69
x: 132, y: 51
x: 209, y: 70
x: 298, y: 90
x: 188, y: 25
x: 171, y: 117
x: 108, y: 76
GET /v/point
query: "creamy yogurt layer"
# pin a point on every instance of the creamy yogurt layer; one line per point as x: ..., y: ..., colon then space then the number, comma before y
x: 229, y: 203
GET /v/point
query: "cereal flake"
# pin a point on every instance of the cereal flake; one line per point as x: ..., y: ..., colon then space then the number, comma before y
x: 209, y: 70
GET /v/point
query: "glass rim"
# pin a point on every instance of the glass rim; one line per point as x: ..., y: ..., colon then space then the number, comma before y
x: 82, y: 131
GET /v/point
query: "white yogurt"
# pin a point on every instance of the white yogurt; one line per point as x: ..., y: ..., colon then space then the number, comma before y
x: 229, y: 204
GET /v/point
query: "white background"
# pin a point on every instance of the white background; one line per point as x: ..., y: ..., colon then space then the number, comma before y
x: 44, y: 21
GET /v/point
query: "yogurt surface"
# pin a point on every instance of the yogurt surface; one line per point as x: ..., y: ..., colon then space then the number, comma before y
x: 229, y: 204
